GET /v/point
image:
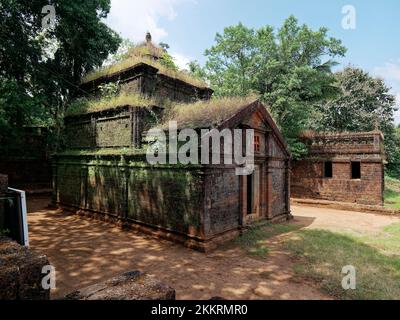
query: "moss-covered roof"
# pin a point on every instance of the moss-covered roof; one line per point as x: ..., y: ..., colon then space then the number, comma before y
x: 85, y: 105
x: 144, y: 54
x: 205, y: 114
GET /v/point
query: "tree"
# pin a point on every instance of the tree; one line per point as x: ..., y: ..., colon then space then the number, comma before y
x: 44, y: 67
x: 231, y: 61
x: 290, y: 69
x: 364, y: 104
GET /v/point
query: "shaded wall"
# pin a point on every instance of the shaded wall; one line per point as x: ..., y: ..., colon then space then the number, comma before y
x: 129, y: 189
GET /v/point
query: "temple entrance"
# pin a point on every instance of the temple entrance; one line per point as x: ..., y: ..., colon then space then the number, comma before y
x: 251, y: 196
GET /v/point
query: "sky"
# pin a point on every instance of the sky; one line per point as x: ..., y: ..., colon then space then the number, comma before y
x: 189, y: 27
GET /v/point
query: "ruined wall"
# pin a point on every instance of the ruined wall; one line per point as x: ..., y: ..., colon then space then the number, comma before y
x: 278, y: 179
x: 114, y: 128
x: 309, y: 181
x: 222, y: 201
x: 146, y: 80
x: 130, y: 189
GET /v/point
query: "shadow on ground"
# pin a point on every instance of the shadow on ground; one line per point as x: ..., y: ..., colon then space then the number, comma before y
x: 85, y: 251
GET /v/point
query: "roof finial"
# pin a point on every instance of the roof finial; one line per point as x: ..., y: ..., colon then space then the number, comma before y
x: 148, y: 37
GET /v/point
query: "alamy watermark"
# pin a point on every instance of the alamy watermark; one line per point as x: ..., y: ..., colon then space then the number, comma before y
x: 349, y: 280
x: 349, y: 20
x: 234, y: 146
x: 49, y: 20
x: 49, y: 280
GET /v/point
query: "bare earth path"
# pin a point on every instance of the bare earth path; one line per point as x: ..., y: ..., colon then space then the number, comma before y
x: 85, y: 252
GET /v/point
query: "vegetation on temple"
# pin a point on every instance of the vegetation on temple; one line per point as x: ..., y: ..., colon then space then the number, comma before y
x: 149, y: 54
x: 121, y: 99
x: 206, y: 114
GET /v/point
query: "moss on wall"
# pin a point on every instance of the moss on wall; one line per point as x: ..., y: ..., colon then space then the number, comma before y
x: 126, y: 186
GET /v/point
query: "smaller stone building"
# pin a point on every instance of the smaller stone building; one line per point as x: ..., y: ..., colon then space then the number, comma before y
x: 347, y: 167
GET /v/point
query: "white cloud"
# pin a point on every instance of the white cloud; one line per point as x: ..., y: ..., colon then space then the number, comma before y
x: 397, y: 113
x: 390, y: 71
x: 133, y: 18
x: 181, y: 60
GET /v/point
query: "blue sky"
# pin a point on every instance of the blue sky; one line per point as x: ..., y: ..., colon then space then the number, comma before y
x: 189, y: 27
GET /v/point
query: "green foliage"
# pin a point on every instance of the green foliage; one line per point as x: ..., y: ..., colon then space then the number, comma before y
x: 364, y: 104
x: 289, y: 68
x: 44, y: 67
x: 196, y: 70
x: 109, y: 90
x: 168, y: 61
x: 393, y: 149
x: 17, y: 108
x: 392, y: 193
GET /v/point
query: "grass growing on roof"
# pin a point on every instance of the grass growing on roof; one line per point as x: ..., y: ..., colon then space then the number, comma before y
x: 84, y: 105
x: 392, y: 193
x: 103, y: 152
x: 204, y: 114
x: 139, y: 54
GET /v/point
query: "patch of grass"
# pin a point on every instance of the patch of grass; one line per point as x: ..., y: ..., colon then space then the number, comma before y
x: 254, y: 239
x: 376, y: 258
x: 82, y: 106
x: 392, y: 193
x: 205, y: 114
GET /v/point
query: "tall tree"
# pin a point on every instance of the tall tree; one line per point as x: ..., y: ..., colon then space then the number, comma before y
x: 290, y: 68
x: 231, y: 61
x: 364, y: 104
x: 44, y: 66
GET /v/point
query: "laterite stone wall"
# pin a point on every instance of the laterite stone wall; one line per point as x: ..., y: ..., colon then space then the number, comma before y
x: 308, y: 180
x: 128, y: 188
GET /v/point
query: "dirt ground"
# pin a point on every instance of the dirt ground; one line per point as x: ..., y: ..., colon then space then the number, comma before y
x: 85, y: 252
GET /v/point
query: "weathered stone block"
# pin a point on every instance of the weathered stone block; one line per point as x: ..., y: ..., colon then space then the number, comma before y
x: 133, y: 285
x: 21, y: 272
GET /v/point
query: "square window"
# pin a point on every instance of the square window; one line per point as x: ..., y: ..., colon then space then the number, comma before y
x: 328, y: 170
x: 356, y: 170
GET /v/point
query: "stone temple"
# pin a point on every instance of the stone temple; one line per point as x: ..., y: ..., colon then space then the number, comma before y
x: 345, y: 167
x: 104, y: 172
